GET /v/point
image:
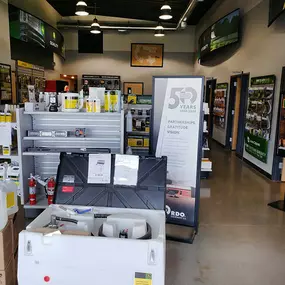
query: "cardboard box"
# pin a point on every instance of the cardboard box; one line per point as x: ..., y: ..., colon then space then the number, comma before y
x: 7, y: 277
x: 18, y: 224
x: 6, y: 246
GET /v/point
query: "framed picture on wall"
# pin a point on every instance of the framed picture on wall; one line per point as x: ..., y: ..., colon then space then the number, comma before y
x: 133, y: 88
x: 147, y: 55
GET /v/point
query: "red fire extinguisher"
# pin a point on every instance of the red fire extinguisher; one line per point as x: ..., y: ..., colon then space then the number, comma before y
x: 50, y: 190
x: 32, y: 190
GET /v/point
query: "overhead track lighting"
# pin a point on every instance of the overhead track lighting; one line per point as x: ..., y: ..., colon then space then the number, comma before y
x: 95, y: 27
x: 81, y: 9
x: 165, y: 12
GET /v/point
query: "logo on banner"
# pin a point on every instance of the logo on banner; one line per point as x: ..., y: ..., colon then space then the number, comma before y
x: 174, y: 214
x: 183, y: 98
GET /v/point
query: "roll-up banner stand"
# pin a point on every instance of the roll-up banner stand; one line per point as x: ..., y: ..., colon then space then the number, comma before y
x: 177, y: 132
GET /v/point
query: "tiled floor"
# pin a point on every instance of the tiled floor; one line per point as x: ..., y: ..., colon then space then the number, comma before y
x: 241, y: 240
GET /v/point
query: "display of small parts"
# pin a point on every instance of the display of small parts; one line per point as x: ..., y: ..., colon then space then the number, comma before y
x: 141, y: 125
x: 259, y: 112
x: 219, y: 109
x: 39, y: 133
x: 80, y: 132
x: 110, y: 82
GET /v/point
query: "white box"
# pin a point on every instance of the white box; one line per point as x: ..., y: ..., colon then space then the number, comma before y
x: 32, y: 107
x: 73, y: 260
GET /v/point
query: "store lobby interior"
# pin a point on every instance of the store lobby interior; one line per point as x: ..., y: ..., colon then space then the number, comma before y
x: 240, y: 239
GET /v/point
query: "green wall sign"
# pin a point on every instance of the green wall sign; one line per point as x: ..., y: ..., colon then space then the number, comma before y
x: 256, y: 146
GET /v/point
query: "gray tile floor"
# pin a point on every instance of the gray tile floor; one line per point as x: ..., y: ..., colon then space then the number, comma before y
x: 241, y: 240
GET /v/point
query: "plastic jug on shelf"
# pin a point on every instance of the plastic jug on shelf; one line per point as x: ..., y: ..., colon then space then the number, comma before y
x: 8, y: 201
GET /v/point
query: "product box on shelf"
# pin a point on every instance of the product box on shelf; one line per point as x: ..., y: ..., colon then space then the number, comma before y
x: 135, y: 142
x: 7, y: 276
x: 6, y: 246
x: 34, y: 106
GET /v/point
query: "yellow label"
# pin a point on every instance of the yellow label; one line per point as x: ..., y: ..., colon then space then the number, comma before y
x: 132, y: 99
x: 71, y: 103
x: 135, y: 142
x: 107, y: 102
x: 146, y: 142
x: 147, y: 129
x: 10, y: 200
x: 8, y: 118
x: 6, y: 150
x: 25, y: 64
x: 143, y: 279
x: 89, y: 107
x: 2, y: 118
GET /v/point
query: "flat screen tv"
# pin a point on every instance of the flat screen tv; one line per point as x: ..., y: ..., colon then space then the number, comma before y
x: 276, y: 7
x: 224, y: 32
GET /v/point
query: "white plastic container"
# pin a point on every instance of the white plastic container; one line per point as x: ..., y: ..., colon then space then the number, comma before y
x: 8, y: 201
x: 129, y: 121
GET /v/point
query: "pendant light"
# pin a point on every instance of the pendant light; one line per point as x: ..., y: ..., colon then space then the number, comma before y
x: 165, y: 12
x: 95, y: 27
x: 81, y: 9
x: 159, y: 31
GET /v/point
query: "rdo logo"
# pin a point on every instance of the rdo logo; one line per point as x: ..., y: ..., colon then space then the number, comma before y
x: 174, y: 214
x: 182, y: 96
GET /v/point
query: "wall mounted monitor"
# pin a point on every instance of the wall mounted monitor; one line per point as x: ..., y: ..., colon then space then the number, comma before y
x: 276, y: 8
x: 224, y: 32
x: 90, y: 43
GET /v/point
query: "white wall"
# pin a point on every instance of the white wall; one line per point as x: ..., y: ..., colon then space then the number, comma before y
x: 118, y: 63
x: 261, y: 53
x: 178, y: 57
x: 181, y: 41
x: 5, y: 52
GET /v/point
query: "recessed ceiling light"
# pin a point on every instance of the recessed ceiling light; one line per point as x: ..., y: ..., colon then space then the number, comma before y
x: 64, y: 75
x: 72, y: 77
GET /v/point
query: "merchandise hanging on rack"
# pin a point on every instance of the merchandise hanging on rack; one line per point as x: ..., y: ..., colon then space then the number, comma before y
x: 220, y: 103
x: 177, y: 133
x: 5, y: 83
x: 29, y: 75
x: 259, y: 116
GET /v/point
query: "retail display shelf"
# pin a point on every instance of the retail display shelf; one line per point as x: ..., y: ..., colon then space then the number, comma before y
x: 139, y: 106
x: 42, y: 203
x: 140, y: 148
x: 71, y: 139
x: 40, y: 153
x: 138, y: 133
x: 72, y: 114
x: 140, y: 116
x: 12, y: 156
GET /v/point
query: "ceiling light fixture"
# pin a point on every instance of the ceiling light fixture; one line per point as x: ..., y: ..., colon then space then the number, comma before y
x: 64, y: 75
x: 165, y: 12
x: 72, y: 77
x: 95, y: 27
x: 81, y: 9
x: 159, y: 31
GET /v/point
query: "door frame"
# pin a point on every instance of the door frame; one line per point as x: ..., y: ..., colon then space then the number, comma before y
x: 242, y: 110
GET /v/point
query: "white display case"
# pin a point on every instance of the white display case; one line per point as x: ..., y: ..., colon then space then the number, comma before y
x: 70, y: 258
x: 103, y: 130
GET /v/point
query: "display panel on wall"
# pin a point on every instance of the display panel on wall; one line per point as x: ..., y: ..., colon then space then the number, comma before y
x: 30, y: 29
x: 110, y: 82
x: 90, y: 43
x: 135, y: 88
x: 147, y: 55
x: 281, y: 144
x: 177, y: 131
x: 259, y: 116
x: 5, y: 83
x: 276, y: 8
x: 221, y: 34
x: 220, y: 103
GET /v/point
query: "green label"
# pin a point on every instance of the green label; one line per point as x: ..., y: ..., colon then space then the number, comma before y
x: 256, y: 146
x: 222, y: 86
x: 263, y: 80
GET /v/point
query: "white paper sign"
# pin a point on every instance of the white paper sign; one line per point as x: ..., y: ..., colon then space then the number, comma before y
x: 6, y: 134
x: 99, y: 168
x: 126, y: 170
x: 179, y: 129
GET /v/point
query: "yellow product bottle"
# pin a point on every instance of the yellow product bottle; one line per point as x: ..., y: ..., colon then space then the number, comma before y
x: 2, y: 118
x: 114, y: 101
x: 8, y: 118
x: 107, y: 101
